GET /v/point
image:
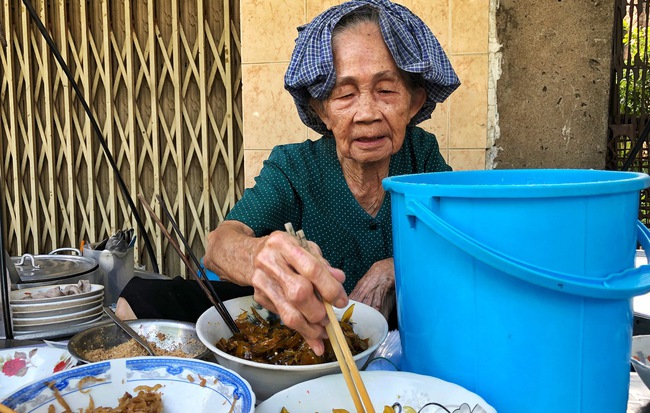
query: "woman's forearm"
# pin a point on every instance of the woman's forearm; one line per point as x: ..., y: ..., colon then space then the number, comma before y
x: 229, y: 252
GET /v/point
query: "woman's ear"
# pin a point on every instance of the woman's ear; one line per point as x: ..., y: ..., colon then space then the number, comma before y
x: 318, y: 106
x: 418, y: 98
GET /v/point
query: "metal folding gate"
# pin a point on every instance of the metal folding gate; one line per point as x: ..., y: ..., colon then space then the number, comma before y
x: 629, y: 108
x: 163, y: 79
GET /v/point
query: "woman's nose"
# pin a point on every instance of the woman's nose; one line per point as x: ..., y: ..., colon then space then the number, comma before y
x: 367, y: 108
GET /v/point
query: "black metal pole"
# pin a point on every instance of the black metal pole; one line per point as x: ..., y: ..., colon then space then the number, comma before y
x: 97, y: 130
x: 5, y: 286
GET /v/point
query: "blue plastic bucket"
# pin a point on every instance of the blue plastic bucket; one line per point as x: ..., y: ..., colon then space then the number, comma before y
x: 518, y: 284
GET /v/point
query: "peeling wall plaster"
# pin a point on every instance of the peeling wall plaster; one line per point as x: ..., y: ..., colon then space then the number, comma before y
x: 550, y: 61
x: 494, y: 73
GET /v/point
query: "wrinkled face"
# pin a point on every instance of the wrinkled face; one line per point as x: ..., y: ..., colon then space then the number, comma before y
x: 370, y: 105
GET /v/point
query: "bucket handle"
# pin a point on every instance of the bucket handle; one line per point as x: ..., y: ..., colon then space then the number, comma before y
x: 625, y: 284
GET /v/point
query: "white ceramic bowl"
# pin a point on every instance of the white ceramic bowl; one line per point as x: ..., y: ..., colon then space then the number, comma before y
x: 384, y: 388
x: 268, y: 379
x: 188, y: 385
x: 640, y: 354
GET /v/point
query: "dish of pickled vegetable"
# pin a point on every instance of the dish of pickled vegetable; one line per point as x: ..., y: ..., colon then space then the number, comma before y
x: 267, y: 340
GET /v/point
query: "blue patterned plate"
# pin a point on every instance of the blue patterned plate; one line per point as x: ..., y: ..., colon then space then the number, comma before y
x: 188, y: 385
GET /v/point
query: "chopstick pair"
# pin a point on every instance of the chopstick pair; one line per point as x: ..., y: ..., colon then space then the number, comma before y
x: 203, y: 280
x: 348, y: 367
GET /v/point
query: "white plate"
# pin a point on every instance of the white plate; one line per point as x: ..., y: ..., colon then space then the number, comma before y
x: 384, y: 388
x: 54, y: 312
x: 189, y: 385
x: 18, y: 296
x: 58, y: 325
x: 61, y: 332
x: 42, y: 321
x: 20, y: 366
x: 57, y: 305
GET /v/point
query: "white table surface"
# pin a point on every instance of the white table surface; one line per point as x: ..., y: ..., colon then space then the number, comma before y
x: 641, y: 304
x: 639, y: 394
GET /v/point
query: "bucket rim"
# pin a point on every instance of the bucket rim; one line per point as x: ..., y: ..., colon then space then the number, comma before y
x: 518, y: 183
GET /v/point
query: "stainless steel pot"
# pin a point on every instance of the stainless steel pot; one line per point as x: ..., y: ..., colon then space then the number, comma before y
x: 54, y: 268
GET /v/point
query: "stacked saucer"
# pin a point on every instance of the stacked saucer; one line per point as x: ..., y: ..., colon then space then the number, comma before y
x: 42, y: 315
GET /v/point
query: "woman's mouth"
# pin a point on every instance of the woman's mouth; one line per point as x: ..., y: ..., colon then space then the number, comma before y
x: 369, y: 140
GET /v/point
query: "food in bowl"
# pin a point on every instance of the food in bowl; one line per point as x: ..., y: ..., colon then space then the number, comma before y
x: 82, y: 286
x: 132, y: 348
x: 167, y: 337
x: 267, y: 340
x: 268, y: 379
x: 185, y: 385
x: 147, y: 400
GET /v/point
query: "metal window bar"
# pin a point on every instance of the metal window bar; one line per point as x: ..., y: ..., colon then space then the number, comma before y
x: 629, y: 113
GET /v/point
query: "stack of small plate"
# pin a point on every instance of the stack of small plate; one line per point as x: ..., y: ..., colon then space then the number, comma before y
x: 40, y: 315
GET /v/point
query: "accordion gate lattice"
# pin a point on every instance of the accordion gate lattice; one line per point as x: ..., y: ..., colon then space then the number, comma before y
x: 163, y: 81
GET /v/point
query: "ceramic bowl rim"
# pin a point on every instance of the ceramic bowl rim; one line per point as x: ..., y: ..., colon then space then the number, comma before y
x: 275, y: 367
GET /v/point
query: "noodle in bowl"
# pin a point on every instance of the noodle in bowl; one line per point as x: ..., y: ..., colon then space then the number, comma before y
x: 185, y: 385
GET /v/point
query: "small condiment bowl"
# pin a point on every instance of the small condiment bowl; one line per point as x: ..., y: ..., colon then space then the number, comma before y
x: 168, y: 335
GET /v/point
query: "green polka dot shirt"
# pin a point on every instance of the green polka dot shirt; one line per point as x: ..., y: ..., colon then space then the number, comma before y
x: 303, y: 184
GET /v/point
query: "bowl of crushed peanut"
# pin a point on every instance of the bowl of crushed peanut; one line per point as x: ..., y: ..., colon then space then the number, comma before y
x: 166, y: 337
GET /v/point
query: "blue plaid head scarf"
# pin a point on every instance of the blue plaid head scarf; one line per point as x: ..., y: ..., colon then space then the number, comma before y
x: 415, y: 49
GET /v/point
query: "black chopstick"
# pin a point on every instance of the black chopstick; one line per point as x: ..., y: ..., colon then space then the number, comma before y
x: 184, y: 258
x: 203, y: 279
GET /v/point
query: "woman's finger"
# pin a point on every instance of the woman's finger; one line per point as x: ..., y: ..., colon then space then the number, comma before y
x: 272, y: 296
x: 301, y: 274
x: 326, y: 280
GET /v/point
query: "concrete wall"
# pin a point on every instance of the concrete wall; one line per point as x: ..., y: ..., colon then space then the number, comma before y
x: 552, y: 96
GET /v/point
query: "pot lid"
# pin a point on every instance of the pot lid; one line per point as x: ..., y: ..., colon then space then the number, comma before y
x: 33, y: 268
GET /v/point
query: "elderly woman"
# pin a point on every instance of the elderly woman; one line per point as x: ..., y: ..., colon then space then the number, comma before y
x: 362, y: 74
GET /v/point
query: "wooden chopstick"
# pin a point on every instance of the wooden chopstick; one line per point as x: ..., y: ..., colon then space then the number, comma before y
x: 343, y: 354
x: 207, y: 288
x: 5, y: 409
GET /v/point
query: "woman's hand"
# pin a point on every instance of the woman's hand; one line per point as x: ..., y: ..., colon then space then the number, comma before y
x: 285, y: 276
x: 377, y: 287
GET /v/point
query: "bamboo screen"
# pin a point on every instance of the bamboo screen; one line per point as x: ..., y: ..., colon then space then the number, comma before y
x: 162, y: 79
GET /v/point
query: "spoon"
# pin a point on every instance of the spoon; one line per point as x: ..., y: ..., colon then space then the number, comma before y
x: 129, y: 331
